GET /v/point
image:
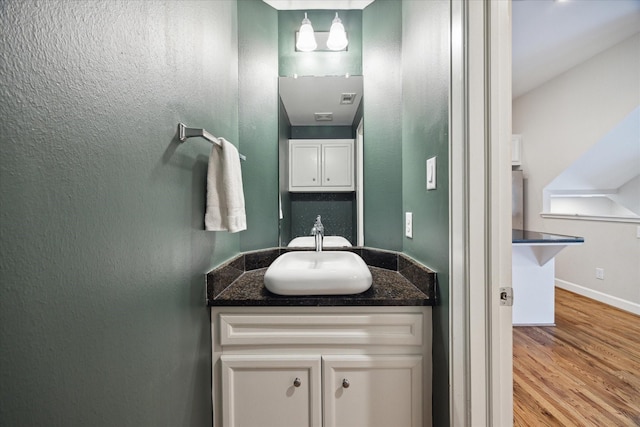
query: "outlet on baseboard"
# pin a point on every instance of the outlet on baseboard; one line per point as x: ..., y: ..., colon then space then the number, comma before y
x: 600, y: 273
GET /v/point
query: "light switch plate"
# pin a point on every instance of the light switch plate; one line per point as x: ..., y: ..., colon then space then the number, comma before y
x: 431, y: 173
x: 408, y: 224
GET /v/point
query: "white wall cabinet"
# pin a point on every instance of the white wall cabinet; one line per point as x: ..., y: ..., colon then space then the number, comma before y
x: 317, y: 165
x: 331, y: 367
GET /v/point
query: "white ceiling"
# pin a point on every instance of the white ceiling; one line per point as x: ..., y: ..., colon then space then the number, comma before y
x: 302, y: 97
x: 318, y: 4
x: 550, y: 37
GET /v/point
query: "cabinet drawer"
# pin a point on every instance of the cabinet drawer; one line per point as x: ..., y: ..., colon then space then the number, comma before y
x: 331, y: 329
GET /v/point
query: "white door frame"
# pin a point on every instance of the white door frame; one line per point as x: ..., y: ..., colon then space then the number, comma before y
x: 480, y: 226
x: 360, y: 183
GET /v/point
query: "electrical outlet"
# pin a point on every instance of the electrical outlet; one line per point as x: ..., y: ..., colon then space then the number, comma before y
x: 600, y: 273
x: 408, y: 224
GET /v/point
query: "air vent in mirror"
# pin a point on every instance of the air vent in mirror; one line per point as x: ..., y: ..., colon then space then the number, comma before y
x: 347, y: 98
x: 323, y: 117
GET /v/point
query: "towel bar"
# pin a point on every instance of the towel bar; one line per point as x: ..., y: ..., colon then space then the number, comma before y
x: 184, y: 132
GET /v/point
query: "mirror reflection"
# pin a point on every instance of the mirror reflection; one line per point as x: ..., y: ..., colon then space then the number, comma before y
x: 320, y: 156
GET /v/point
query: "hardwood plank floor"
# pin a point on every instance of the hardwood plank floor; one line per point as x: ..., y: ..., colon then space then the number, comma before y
x: 585, y: 371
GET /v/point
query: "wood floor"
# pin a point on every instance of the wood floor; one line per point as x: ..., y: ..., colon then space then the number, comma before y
x: 585, y: 371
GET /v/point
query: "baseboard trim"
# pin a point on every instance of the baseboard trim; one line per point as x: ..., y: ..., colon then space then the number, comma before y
x: 620, y: 303
x: 515, y: 325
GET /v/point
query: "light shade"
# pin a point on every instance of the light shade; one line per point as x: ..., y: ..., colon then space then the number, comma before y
x: 337, y: 35
x: 306, y: 39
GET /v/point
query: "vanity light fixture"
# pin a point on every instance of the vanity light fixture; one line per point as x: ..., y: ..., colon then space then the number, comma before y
x: 306, y: 38
x: 337, y: 35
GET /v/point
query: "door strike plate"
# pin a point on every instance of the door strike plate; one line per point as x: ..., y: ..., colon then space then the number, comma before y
x: 506, y: 296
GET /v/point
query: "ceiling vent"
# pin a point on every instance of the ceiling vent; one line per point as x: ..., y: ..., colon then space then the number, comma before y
x: 323, y: 117
x: 347, y: 98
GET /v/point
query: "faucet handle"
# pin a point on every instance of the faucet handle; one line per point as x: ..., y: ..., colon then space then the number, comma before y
x: 317, y: 228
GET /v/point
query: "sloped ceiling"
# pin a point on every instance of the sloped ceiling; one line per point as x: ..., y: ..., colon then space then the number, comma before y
x: 610, y: 163
x: 550, y: 37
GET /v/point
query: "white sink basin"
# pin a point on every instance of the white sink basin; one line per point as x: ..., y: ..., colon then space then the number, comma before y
x: 327, y: 242
x: 318, y: 273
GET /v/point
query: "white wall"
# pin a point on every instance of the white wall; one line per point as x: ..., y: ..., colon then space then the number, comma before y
x: 560, y: 120
x: 628, y: 195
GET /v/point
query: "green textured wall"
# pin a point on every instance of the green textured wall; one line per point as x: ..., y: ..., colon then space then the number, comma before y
x: 382, y: 46
x: 319, y: 63
x: 425, y: 124
x: 102, y: 248
x: 258, y: 119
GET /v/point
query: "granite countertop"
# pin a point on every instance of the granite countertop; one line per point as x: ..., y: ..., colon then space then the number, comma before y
x: 528, y: 237
x: 397, y: 280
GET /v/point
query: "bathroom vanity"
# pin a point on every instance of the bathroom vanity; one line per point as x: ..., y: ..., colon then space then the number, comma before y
x: 349, y: 360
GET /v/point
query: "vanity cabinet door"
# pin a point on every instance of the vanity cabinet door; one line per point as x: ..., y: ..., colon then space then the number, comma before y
x: 372, y: 391
x: 271, y: 391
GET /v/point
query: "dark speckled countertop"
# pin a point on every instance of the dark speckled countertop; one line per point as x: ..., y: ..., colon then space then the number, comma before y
x: 397, y: 280
x: 528, y: 237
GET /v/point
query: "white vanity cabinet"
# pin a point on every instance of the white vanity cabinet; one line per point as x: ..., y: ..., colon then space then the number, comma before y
x: 372, y: 391
x: 317, y: 165
x: 270, y: 390
x: 321, y: 366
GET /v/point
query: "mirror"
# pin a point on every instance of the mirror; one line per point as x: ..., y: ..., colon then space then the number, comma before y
x: 320, y: 114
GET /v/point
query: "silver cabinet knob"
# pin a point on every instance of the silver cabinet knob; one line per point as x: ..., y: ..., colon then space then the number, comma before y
x: 345, y: 383
x: 297, y: 382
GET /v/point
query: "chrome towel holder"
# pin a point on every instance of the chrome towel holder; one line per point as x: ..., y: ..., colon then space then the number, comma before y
x: 185, y: 132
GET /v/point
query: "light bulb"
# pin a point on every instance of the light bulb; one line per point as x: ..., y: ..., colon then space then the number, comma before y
x: 337, y: 35
x: 306, y: 38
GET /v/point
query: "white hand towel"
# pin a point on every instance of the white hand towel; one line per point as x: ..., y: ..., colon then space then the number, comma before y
x: 225, y: 196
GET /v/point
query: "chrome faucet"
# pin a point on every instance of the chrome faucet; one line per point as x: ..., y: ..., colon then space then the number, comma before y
x: 318, y: 231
